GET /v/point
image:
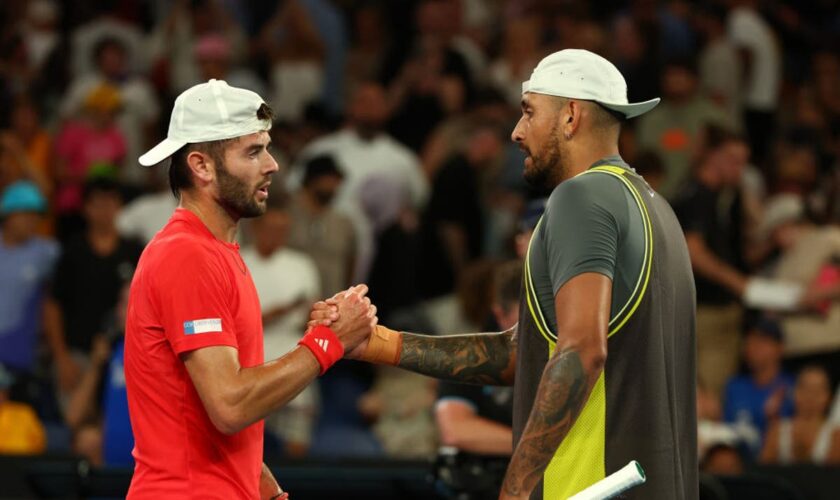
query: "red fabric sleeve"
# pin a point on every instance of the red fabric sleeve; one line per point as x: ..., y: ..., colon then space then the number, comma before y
x: 195, y: 295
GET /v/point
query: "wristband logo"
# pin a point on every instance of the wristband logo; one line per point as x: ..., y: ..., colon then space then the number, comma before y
x: 206, y: 325
x: 323, y: 344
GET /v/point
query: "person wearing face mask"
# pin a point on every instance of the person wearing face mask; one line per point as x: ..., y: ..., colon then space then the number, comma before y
x: 319, y: 230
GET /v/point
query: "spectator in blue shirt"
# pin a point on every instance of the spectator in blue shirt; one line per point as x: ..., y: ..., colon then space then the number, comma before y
x: 764, y: 392
x: 26, y: 265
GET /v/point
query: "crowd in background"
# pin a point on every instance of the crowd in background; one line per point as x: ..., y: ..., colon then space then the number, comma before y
x: 392, y: 131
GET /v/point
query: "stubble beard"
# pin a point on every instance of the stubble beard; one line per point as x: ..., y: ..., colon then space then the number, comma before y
x: 238, y: 197
x: 547, y: 170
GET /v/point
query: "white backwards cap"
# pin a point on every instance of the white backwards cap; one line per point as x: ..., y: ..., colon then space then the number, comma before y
x: 210, y: 111
x: 580, y: 74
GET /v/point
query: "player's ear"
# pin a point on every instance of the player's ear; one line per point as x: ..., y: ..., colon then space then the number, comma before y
x: 201, y: 166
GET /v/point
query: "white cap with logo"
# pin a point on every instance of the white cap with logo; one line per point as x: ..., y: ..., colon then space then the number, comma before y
x: 210, y: 111
x: 580, y: 74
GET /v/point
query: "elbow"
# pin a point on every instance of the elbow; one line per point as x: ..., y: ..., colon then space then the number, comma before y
x: 226, y: 420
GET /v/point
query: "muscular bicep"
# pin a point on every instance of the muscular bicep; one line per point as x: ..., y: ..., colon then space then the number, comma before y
x: 582, y: 306
x: 212, y: 371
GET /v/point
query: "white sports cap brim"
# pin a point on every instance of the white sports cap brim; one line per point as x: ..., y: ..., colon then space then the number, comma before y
x: 162, y: 151
x: 210, y: 111
x: 580, y: 74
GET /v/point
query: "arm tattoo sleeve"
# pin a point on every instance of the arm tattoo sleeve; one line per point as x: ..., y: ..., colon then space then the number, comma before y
x: 560, y: 398
x: 480, y: 358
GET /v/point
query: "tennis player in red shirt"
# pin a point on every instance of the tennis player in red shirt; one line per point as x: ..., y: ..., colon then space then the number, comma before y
x: 197, y: 386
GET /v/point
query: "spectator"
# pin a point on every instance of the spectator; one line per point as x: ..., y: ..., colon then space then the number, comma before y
x: 451, y: 226
x: 478, y: 419
x: 138, y: 109
x: 519, y: 56
x: 808, y: 436
x: 30, y: 138
x: 21, y: 433
x: 762, y: 60
x: 26, y: 267
x: 719, y: 64
x: 98, y: 408
x: 296, y: 52
x: 173, y: 42
x: 318, y: 230
x: 213, y: 59
x: 92, y: 270
x: 805, y: 253
x: 763, y: 394
x: 674, y: 129
x: 94, y: 138
x: 723, y: 460
x: 712, y: 216
x: 145, y: 215
x: 288, y: 284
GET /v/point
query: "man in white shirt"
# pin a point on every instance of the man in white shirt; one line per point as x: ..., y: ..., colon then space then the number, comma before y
x: 763, y: 63
x: 287, y: 283
x: 363, y: 150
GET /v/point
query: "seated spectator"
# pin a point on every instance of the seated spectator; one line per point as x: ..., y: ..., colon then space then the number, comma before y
x: 763, y: 393
x: 287, y: 282
x: 320, y: 231
x: 478, y: 419
x: 26, y: 266
x: 723, y: 460
x: 807, y: 436
x: 21, y: 433
x: 81, y: 143
x: 92, y: 270
x: 97, y: 411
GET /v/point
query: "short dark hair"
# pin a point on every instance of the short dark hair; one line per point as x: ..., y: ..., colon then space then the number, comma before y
x: 101, y: 185
x: 180, y: 177
x: 320, y: 166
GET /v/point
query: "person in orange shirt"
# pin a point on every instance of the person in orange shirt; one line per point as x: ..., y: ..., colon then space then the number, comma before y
x: 21, y: 433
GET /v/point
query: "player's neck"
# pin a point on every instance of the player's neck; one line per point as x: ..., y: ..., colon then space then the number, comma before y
x: 217, y: 220
x: 586, y: 153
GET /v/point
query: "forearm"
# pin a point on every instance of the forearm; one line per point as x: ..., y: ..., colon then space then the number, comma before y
x: 477, y: 435
x: 53, y: 330
x: 708, y: 265
x: 257, y: 391
x: 565, y: 385
x: 478, y: 358
x: 269, y: 488
x: 82, y: 399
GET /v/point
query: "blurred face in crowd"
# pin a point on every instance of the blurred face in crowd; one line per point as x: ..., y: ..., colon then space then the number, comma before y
x: 735, y: 154
x: 101, y: 209
x: 21, y: 226
x: 761, y: 352
x: 483, y: 147
x: 112, y: 60
x: 324, y: 188
x: 24, y: 119
x: 243, y: 177
x: 812, y: 393
x: 678, y: 83
x: 538, y: 135
x: 271, y: 231
x: 369, y: 109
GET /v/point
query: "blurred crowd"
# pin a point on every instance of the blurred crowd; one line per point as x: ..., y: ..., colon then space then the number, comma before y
x: 392, y: 131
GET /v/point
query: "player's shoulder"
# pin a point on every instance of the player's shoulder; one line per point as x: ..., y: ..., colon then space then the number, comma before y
x: 590, y: 187
x: 180, y: 250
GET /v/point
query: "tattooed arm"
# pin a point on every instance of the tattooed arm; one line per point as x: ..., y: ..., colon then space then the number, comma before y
x: 583, y: 308
x: 477, y: 358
